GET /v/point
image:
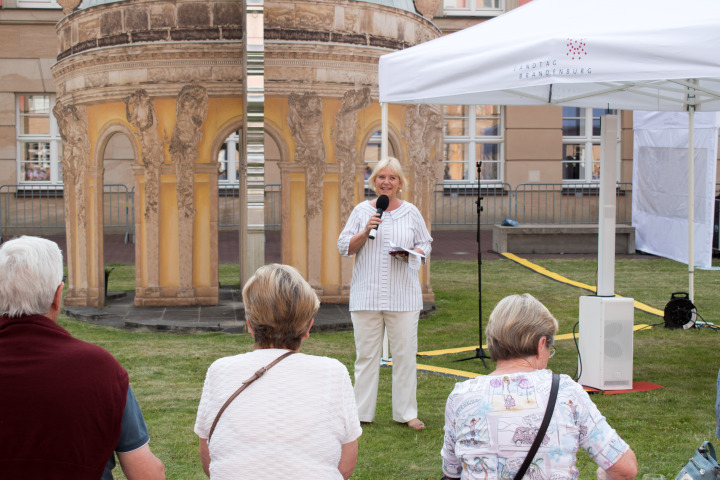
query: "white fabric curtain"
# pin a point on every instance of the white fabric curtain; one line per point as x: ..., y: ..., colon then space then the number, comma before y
x: 660, y: 184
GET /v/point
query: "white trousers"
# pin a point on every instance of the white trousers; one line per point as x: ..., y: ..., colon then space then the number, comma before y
x: 402, y: 334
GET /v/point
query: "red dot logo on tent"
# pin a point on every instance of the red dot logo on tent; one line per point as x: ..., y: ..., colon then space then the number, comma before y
x: 576, y: 49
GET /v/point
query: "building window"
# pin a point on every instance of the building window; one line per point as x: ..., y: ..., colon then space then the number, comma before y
x: 39, y: 145
x: 229, y: 160
x: 38, y: 4
x: 473, y: 133
x: 474, y: 7
x: 581, y: 143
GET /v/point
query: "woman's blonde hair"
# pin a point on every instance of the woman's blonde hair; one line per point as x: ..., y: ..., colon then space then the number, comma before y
x: 392, y: 164
x: 279, y: 305
x: 516, y: 325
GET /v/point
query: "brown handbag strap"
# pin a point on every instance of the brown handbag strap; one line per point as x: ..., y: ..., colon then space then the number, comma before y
x: 246, y: 384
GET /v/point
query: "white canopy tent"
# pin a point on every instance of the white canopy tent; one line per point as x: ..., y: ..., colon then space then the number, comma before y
x: 657, y: 55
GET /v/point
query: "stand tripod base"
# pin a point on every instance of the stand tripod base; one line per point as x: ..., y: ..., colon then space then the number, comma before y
x: 479, y: 353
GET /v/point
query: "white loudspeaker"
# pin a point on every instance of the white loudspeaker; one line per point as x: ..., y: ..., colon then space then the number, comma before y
x: 606, y: 342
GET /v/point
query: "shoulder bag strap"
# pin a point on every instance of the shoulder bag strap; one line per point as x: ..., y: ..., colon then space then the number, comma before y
x: 246, y: 384
x: 543, y: 427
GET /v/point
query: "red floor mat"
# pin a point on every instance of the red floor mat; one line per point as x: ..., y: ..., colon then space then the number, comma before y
x: 637, y: 387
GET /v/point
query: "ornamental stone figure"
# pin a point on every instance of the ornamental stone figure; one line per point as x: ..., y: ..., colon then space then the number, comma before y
x: 306, y: 124
x: 345, y: 136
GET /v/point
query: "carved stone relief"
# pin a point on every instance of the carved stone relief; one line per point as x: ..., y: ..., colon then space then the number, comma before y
x: 140, y: 112
x: 424, y: 137
x: 192, y: 106
x: 73, y: 125
x: 306, y: 125
x: 345, y: 137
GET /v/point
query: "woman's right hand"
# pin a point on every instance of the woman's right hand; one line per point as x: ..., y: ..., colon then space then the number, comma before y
x: 359, y: 239
x: 373, y: 222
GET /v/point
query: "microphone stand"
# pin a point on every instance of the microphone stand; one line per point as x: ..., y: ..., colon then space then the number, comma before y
x: 479, y: 352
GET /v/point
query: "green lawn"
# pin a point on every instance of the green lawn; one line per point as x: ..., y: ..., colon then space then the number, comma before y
x: 662, y: 426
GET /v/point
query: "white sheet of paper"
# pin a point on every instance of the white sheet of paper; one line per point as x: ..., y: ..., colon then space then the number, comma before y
x: 414, y: 262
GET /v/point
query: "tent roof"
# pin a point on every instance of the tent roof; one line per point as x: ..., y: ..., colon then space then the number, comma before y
x: 618, y: 54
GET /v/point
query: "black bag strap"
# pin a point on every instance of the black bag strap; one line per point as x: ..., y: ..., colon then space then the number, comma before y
x: 244, y: 385
x: 543, y: 427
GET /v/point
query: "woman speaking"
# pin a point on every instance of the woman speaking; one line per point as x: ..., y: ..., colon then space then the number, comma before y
x: 385, y: 291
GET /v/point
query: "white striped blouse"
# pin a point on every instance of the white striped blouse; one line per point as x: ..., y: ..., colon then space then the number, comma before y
x: 381, y: 282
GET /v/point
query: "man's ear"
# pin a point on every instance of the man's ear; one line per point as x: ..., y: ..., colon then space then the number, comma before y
x: 56, y: 304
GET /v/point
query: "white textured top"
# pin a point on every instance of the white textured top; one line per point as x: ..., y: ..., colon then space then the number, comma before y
x: 290, y: 423
x: 491, y: 422
x: 381, y: 282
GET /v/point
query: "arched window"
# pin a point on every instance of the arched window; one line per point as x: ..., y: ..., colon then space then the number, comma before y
x: 372, y: 152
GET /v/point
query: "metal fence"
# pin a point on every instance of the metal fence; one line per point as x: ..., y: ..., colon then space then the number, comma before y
x: 529, y: 203
x: 229, y: 207
x: 562, y: 203
x: 118, y: 210
x: 456, y: 204
x: 39, y: 209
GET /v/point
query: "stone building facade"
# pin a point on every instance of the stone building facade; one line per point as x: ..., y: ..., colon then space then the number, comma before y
x: 168, y: 76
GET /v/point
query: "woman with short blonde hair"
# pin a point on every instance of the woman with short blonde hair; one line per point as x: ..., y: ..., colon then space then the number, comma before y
x: 279, y: 306
x: 385, y: 291
x: 491, y: 421
x: 393, y: 165
x: 310, y: 395
x: 516, y: 325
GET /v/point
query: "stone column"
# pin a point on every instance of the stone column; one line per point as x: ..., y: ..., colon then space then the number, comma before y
x: 424, y: 138
x: 306, y: 124
x: 140, y: 112
x: 191, y: 109
x: 73, y: 124
x: 345, y: 138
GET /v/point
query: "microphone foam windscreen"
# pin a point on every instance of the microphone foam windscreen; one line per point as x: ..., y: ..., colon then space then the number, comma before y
x: 382, y: 202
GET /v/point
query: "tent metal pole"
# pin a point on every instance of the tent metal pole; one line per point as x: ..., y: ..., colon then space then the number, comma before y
x: 383, y: 154
x: 384, y: 130
x: 691, y: 202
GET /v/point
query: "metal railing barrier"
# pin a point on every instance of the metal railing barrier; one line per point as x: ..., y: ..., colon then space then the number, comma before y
x: 565, y: 203
x: 454, y: 203
x: 229, y: 206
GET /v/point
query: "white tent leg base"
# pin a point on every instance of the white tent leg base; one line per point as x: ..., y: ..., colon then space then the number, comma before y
x: 606, y: 342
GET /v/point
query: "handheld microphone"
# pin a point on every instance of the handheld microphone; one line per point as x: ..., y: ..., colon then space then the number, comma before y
x: 382, y: 203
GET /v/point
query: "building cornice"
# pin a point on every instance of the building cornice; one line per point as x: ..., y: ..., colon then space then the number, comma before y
x: 30, y: 16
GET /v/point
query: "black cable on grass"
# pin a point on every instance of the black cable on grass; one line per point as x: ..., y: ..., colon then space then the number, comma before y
x: 578, y: 369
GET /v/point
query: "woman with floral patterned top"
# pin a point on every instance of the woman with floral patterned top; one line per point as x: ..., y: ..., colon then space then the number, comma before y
x: 491, y: 421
